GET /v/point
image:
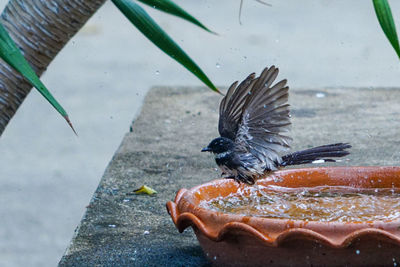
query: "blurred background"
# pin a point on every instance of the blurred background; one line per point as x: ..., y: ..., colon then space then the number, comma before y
x: 47, y: 174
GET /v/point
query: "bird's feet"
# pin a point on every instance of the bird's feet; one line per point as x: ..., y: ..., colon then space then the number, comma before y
x: 227, y: 175
x: 230, y: 177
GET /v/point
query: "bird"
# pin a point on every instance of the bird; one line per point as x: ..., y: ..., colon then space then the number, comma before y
x: 253, y: 119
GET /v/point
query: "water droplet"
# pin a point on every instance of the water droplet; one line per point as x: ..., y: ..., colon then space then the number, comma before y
x: 112, y: 225
x: 357, y: 252
x: 320, y: 95
x: 146, y: 232
x: 215, y: 257
x: 157, y: 72
x: 217, y: 65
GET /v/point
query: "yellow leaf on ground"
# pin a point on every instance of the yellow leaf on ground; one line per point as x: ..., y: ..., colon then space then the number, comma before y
x: 145, y: 190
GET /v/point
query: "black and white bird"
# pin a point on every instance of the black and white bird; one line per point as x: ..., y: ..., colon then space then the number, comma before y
x: 252, y: 117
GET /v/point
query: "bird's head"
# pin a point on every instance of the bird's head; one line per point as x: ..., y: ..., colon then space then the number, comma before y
x: 219, y: 145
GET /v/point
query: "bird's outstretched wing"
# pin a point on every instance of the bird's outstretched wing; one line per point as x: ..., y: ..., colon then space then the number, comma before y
x: 231, y: 107
x: 254, y: 114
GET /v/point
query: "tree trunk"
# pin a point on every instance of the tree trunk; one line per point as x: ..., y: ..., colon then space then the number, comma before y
x: 40, y: 28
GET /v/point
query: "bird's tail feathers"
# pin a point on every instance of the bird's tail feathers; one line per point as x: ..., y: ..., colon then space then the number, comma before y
x: 317, y: 154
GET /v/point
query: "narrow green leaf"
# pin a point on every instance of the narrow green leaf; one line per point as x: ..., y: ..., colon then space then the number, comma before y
x: 385, y: 18
x: 170, y: 7
x: 144, y: 23
x: 10, y: 53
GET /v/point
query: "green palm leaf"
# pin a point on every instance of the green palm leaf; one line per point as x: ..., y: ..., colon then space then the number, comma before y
x: 170, y: 7
x: 144, y: 23
x: 385, y: 18
x: 10, y: 53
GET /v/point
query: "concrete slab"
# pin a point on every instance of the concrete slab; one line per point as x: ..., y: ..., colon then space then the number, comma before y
x: 163, y: 151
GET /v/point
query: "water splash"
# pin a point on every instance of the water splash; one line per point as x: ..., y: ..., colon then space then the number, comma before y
x: 323, y: 203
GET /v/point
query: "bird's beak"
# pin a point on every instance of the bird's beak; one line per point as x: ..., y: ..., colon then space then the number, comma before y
x: 206, y: 149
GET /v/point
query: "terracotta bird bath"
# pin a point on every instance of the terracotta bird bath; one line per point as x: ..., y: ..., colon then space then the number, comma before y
x: 239, y: 240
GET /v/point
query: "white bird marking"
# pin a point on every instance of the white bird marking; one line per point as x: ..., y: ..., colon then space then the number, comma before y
x: 221, y: 155
x: 318, y: 161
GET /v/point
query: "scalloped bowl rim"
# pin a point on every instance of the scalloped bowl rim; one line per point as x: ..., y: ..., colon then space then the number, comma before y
x: 185, y: 213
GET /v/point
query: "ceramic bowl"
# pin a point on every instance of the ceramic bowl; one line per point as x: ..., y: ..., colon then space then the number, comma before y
x: 236, y: 240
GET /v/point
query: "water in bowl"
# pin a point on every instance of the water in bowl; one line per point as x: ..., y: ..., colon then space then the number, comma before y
x: 324, y: 203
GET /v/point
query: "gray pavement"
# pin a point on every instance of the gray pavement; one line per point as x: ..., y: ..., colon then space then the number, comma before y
x: 163, y: 152
x: 47, y: 175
